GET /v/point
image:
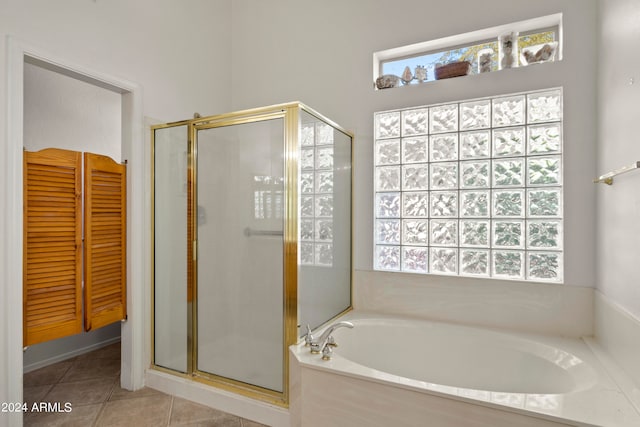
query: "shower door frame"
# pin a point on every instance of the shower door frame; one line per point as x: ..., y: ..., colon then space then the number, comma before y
x: 152, y: 311
x: 290, y: 114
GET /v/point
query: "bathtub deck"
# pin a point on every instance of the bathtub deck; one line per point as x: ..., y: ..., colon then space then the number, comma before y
x: 358, y: 395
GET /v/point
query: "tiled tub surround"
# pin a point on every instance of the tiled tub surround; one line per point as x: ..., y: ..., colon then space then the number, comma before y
x: 394, y: 371
x: 541, y: 308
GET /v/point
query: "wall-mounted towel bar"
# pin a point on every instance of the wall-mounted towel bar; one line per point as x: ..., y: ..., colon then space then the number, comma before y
x: 608, y: 177
x: 251, y: 232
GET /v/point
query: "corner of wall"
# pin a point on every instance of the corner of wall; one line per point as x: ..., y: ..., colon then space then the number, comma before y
x: 618, y: 332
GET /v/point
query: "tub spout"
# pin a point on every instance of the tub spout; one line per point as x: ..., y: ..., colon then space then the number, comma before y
x: 325, y: 340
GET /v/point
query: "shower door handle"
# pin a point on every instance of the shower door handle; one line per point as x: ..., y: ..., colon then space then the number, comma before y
x: 248, y: 231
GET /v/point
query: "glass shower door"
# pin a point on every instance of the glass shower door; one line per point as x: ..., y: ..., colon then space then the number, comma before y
x: 240, y: 217
x: 171, y: 302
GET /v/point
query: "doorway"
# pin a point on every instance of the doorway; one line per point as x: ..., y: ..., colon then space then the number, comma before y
x: 21, y: 60
x: 66, y: 113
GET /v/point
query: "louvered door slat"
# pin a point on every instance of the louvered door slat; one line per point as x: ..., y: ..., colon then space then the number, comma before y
x: 52, y: 299
x: 105, y: 241
x: 52, y: 271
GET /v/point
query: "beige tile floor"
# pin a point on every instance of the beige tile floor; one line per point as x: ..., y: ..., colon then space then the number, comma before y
x: 91, y: 384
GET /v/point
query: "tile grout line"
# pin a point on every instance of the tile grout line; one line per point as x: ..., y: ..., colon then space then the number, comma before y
x: 99, y: 414
x: 116, y: 383
x: 51, y: 387
x: 73, y: 362
x: 104, y: 403
x: 170, y: 411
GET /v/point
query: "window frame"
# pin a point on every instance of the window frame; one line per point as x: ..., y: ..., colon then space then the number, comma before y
x: 526, y: 27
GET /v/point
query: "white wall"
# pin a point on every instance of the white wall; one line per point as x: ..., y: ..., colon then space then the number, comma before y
x: 618, y: 145
x: 321, y: 54
x: 617, y: 305
x: 63, y: 112
x: 178, y: 53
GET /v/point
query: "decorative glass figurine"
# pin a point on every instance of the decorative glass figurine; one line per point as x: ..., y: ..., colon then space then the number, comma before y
x: 508, y: 50
x: 484, y: 60
x: 420, y: 73
x: 406, y: 76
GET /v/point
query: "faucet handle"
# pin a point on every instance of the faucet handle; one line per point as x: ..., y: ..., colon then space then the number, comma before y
x: 327, y: 351
x: 331, y: 341
x: 308, y: 337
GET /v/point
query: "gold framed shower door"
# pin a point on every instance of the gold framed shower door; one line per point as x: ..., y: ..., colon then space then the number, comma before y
x: 290, y: 114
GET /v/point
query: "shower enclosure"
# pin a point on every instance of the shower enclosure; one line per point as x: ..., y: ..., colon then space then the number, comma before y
x: 252, y: 242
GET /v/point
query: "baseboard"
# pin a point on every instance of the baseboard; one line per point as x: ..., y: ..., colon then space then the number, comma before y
x: 68, y: 355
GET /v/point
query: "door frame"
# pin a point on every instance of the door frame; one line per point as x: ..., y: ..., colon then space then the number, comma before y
x: 135, y: 329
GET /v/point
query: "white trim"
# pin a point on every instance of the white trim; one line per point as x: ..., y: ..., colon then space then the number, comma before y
x: 133, y: 343
x: 217, y: 398
x: 13, y: 228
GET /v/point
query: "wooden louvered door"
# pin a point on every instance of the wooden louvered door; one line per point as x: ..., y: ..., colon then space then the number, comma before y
x: 52, y: 270
x: 53, y: 255
x: 105, y: 241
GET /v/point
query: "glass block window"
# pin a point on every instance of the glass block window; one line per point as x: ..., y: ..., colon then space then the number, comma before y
x: 316, y: 194
x: 471, y: 188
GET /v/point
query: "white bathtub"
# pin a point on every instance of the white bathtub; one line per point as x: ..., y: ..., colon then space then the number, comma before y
x: 392, y: 372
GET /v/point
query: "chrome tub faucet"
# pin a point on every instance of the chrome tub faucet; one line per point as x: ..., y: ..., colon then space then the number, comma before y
x: 324, y: 343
